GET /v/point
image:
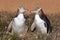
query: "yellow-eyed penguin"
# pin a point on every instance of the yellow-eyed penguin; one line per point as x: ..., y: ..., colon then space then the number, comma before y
x: 39, y: 14
x: 39, y: 23
x: 18, y: 23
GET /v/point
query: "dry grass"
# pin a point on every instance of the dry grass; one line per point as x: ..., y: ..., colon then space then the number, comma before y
x: 6, y: 17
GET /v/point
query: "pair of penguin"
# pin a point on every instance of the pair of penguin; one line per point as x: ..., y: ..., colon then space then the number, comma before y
x: 41, y: 22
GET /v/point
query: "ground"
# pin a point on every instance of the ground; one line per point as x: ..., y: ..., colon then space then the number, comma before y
x: 6, y: 17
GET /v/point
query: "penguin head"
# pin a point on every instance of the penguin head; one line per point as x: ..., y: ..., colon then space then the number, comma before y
x: 38, y: 11
x: 21, y: 10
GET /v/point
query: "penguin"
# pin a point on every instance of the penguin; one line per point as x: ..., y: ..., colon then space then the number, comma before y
x: 18, y: 23
x: 41, y: 22
x: 48, y: 24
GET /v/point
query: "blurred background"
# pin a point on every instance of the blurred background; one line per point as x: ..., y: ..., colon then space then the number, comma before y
x: 49, y: 6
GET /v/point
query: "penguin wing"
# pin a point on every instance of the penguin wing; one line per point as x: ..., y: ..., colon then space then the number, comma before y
x: 45, y: 25
x: 33, y: 26
x: 10, y: 26
x: 26, y: 28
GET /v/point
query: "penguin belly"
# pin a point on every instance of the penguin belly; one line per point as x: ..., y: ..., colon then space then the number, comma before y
x: 18, y: 25
x: 41, y: 28
x: 40, y: 24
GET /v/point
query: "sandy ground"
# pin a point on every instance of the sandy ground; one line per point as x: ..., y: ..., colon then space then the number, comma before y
x: 49, y: 6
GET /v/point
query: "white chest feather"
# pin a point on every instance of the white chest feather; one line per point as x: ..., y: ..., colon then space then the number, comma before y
x: 19, y: 22
x: 38, y: 19
x: 40, y: 24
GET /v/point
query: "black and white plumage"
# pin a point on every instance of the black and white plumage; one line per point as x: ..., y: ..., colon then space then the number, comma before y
x: 41, y: 22
x: 18, y: 23
x: 48, y: 24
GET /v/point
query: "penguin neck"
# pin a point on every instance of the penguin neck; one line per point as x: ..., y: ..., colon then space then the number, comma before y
x: 37, y: 17
x: 20, y: 16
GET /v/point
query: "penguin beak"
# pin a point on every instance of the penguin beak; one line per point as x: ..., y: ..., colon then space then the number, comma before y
x: 32, y: 11
x: 26, y: 9
x: 35, y: 12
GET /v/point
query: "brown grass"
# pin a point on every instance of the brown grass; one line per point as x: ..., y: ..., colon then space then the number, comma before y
x: 6, y: 17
